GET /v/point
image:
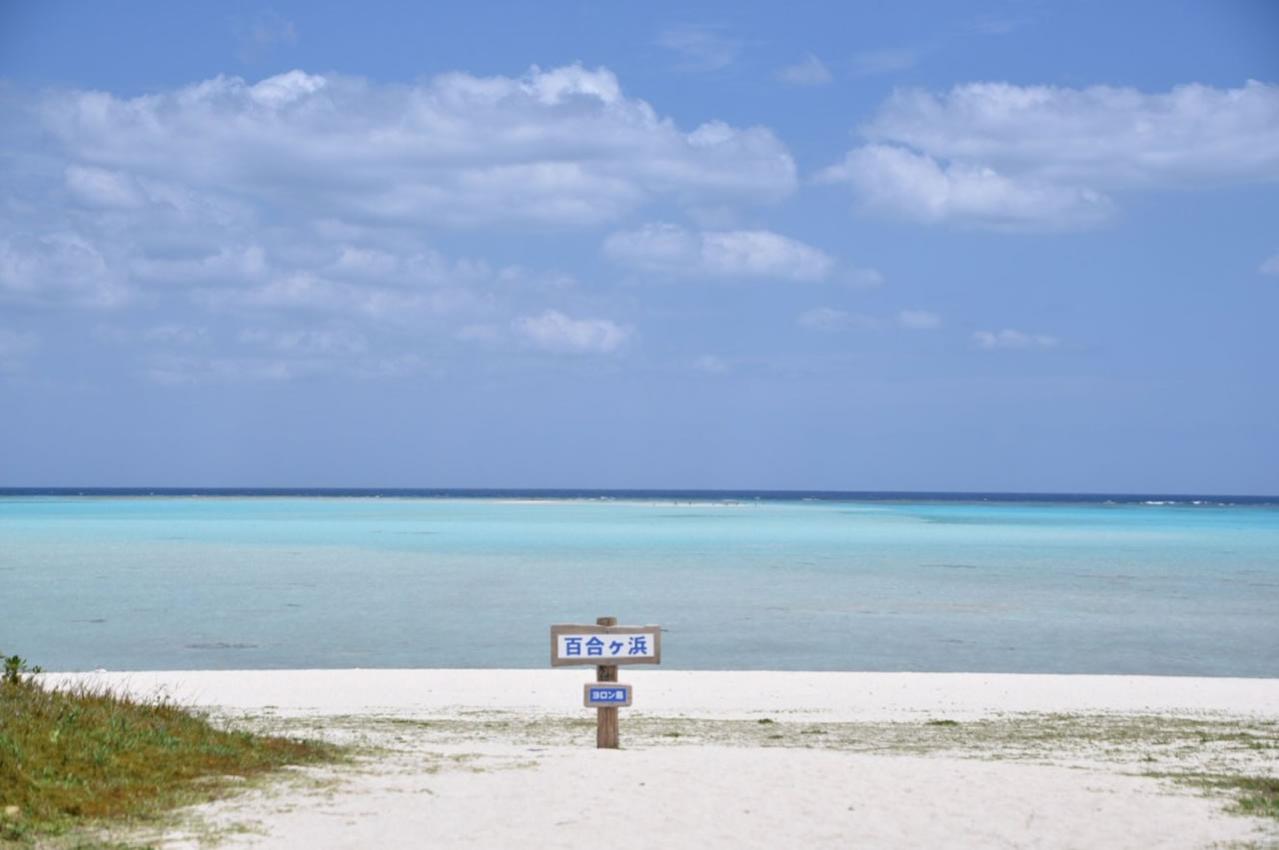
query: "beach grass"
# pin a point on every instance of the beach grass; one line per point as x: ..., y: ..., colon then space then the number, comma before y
x: 73, y: 759
x: 1253, y: 795
x: 1258, y: 795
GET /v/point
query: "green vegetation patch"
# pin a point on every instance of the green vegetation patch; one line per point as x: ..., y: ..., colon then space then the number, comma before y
x: 1253, y: 795
x: 68, y: 758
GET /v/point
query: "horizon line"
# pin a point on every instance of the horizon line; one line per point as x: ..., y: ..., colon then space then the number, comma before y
x: 250, y: 490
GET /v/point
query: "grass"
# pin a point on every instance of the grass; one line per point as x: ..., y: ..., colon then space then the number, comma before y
x: 73, y: 759
x: 1253, y: 795
x: 1258, y: 795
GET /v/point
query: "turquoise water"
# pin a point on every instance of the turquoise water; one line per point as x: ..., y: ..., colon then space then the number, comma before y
x: 182, y: 582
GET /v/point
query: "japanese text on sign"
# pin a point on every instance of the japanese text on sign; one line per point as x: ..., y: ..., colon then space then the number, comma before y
x: 608, y: 694
x: 595, y: 646
x: 605, y: 645
x: 601, y: 695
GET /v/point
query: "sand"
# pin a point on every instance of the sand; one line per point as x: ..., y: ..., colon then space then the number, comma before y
x: 711, y: 694
x: 497, y: 759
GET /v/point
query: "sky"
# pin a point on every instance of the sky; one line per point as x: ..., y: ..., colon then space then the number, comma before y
x: 990, y: 246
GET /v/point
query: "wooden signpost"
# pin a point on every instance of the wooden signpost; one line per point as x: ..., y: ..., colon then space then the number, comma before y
x: 606, y: 645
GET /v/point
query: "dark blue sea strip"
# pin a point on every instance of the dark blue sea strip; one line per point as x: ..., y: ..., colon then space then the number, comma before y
x: 1153, y: 499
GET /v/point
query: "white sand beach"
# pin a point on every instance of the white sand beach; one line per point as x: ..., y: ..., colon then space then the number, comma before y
x: 506, y: 758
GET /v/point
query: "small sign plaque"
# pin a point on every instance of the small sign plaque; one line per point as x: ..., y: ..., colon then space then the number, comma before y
x: 607, y: 695
x: 605, y: 645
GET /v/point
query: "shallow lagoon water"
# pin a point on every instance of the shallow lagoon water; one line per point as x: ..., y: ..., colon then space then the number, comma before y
x: 182, y: 582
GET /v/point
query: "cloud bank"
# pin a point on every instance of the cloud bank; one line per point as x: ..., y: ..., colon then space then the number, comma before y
x: 561, y: 146
x: 1002, y: 155
x: 304, y: 195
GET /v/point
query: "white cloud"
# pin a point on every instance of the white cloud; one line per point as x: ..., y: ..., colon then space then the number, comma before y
x: 701, y: 48
x: 102, y: 188
x: 313, y: 192
x: 884, y: 61
x: 762, y: 253
x: 991, y: 340
x: 899, y: 182
x: 558, y: 146
x: 670, y: 249
x: 831, y: 319
x: 1006, y: 155
x: 809, y: 71
x: 59, y: 267
x: 410, y: 269
x: 553, y: 331
x: 918, y: 320
x: 1100, y: 134
x: 655, y: 247
x: 1270, y: 266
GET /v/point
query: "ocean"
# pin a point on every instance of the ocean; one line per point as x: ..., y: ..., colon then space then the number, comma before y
x: 228, y: 579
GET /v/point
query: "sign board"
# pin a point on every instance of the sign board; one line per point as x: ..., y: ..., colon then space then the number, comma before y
x: 606, y: 695
x: 605, y: 645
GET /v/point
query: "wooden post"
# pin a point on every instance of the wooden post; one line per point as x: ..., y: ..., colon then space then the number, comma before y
x: 606, y: 727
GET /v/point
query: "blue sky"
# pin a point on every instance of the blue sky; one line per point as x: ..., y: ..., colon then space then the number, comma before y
x: 933, y: 246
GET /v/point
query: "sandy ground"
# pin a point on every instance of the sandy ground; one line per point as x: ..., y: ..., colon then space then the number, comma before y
x: 497, y: 759
x: 713, y: 694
